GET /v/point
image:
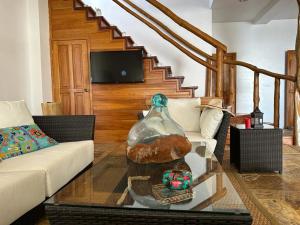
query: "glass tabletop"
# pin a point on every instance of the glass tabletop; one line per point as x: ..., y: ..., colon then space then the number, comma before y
x: 115, y: 181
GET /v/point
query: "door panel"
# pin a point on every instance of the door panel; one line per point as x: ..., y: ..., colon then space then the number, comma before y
x: 79, y: 106
x: 77, y: 67
x: 291, y: 67
x: 71, y: 82
x: 66, y: 103
x: 64, y: 66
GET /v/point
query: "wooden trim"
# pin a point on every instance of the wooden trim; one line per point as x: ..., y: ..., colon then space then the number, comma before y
x: 183, y: 23
x: 167, y: 29
x: 232, y: 87
x: 208, y: 81
x: 256, y: 90
x: 164, y: 36
x: 276, y: 102
x: 298, y: 50
x: 220, y: 71
x: 262, y: 71
x: 290, y: 68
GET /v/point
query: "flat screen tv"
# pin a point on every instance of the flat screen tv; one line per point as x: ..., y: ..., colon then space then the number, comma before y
x: 117, y: 67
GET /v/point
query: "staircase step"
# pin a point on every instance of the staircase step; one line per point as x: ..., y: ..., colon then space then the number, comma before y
x: 179, y: 78
x: 154, y: 59
x: 91, y: 14
x: 78, y: 4
x: 167, y: 68
x: 145, y: 53
x: 103, y: 23
x: 116, y: 32
x: 192, y: 88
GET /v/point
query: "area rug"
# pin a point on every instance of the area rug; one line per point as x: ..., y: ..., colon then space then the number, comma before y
x: 271, y: 198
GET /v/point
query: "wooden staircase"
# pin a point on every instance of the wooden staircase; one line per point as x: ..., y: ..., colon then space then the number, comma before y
x: 115, y: 105
x: 129, y: 45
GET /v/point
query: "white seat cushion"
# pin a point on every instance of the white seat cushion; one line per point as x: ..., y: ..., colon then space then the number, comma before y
x: 186, y: 112
x: 210, y: 121
x: 209, y: 143
x: 19, y: 193
x: 14, y: 114
x: 60, y: 162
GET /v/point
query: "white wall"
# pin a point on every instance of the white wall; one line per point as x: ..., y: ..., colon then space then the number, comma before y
x: 264, y: 46
x: 194, y: 11
x: 14, y: 62
x: 21, y: 53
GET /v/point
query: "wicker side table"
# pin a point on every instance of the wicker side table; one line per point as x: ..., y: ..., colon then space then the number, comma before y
x: 256, y: 150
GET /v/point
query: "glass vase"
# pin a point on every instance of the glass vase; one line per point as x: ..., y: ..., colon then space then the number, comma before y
x: 157, y: 138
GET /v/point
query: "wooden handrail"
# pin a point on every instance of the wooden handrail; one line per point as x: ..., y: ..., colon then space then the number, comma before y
x: 172, y: 33
x: 262, y: 71
x: 218, y: 67
x: 183, y: 23
x: 166, y: 37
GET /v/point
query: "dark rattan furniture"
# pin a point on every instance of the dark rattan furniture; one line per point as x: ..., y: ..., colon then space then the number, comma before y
x: 256, y: 150
x: 99, y: 196
x: 67, y: 128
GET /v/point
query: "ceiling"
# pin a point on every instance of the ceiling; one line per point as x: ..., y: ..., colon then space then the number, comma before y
x: 254, y: 11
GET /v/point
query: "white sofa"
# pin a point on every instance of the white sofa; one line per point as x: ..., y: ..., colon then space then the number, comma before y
x: 209, y: 130
x: 27, y: 180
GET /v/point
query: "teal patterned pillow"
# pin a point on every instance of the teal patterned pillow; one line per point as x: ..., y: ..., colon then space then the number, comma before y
x: 16, y: 141
x: 39, y: 137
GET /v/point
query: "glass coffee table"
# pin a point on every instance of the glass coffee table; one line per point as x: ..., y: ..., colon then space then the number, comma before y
x: 117, y: 191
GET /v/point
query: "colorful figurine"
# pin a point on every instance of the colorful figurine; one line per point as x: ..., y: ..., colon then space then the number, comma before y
x: 177, y: 179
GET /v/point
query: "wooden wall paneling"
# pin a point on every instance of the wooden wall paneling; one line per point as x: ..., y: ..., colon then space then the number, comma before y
x: 291, y: 67
x: 115, y: 105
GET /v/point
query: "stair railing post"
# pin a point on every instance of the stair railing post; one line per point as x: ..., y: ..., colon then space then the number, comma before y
x: 219, y: 73
x: 297, y: 89
x: 232, y: 89
x: 276, y: 102
x: 256, y: 90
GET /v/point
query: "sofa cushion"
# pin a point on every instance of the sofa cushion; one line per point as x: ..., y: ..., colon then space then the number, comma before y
x: 209, y: 143
x: 14, y: 113
x: 210, y: 121
x: 60, y: 163
x: 19, y: 193
x: 186, y: 112
x: 20, y: 140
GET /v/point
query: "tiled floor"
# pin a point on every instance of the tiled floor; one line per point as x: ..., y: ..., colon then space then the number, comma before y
x: 276, y: 195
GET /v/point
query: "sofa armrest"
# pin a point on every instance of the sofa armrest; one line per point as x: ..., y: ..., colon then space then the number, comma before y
x: 221, y: 136
x: 67, y: 128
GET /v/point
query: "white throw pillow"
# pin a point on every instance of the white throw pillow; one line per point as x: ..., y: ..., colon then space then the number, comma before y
x: 186, y: 112
x: 14, y: 113
x: 210, y: 121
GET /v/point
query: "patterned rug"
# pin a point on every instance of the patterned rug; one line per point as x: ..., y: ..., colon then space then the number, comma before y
x: 271, y: 198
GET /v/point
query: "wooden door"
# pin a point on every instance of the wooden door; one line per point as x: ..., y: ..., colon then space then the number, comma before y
x: 229, y: 82
x: 70, y: 78
x: 291, y: 67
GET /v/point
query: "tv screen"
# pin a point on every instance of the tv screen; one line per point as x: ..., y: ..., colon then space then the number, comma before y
x: 117, y: 67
